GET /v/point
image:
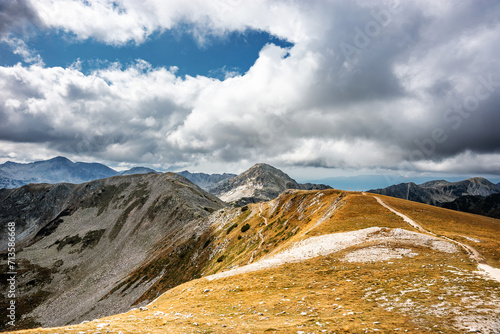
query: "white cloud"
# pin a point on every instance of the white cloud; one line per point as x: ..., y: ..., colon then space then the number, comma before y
x: 488, y: 163
x: 20, y: 48
x: 118, y: 22
x: 307, y: 106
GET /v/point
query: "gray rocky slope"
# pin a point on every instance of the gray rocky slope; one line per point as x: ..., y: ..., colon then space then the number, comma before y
x: 261, y: 182
x: 78, y: 244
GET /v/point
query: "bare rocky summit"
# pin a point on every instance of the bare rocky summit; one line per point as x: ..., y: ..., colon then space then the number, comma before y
x: 261, y: 182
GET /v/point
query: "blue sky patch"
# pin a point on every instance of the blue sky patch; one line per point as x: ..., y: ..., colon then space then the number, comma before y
x: 235, y: 52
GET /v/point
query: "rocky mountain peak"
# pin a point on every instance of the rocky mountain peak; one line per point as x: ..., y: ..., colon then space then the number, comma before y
x: 263, y: 173
x: 481, y: 180
x: 261, y: 182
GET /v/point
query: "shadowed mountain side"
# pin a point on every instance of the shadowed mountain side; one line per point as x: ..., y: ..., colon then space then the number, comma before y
x: 487, y: 206
x: 474, y: 191
x: 76, y: 253
x: 439, y: 191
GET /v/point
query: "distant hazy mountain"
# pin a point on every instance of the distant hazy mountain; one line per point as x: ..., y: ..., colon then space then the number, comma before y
x: 366, y: 182
x: 476, y: 186
x: 206, y: 181
x: 58, y: 170
x: 414, y: 192
x: 138, y: 170
x: 261, y: 182
x: 439, y: 191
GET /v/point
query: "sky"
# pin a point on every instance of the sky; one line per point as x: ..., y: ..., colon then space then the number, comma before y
x: 317, y: 88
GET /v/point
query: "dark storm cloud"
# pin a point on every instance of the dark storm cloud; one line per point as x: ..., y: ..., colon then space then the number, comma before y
x: 365, y: 85
x: 15, y: 14
x: 465, y: 130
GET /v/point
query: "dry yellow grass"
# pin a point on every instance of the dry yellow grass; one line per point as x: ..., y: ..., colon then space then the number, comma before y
x: 322, y: 294
x: 287, y: 217
x: 356, y: 212
x: 455, y: 225
x: 431, y: 292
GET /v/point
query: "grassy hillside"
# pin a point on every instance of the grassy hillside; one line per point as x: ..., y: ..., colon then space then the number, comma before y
x: 480, y: 232
x: 373, y: 284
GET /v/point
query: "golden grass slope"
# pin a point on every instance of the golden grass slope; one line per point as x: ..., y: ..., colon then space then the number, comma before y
x: 421, y: 291
x: 480, y: 232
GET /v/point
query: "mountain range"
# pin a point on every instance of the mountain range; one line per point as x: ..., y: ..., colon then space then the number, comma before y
x: 260, y: 183
x: 144, y: 223
x: 154, y: 253
x: 263, y: 182
x: 57, y: 170
x: 474, y: 195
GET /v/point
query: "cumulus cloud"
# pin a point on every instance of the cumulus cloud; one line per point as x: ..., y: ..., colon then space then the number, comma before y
x: 365, y: 85
x: 118, y: 22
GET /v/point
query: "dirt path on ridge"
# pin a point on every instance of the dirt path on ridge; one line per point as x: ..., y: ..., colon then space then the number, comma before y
x: 472, y: 252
